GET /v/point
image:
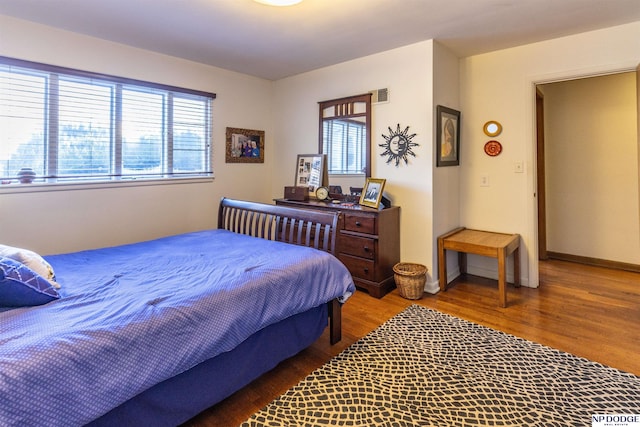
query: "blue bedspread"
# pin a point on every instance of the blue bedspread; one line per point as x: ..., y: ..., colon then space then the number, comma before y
x: 132, y: 316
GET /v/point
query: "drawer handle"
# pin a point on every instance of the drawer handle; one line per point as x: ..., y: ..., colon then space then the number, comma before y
x: 358, y: 224
x: 366, y: 270
x: 366, y: 248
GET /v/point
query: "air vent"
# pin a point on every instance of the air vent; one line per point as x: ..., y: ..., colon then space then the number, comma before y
x: 379, y: 96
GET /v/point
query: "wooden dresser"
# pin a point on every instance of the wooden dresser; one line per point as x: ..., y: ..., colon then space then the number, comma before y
x: 368, y: 242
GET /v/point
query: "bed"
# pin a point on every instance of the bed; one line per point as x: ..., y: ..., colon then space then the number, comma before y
x: 153, y: 333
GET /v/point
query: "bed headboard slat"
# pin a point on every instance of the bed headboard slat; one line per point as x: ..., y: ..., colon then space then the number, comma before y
x: 297, y: 226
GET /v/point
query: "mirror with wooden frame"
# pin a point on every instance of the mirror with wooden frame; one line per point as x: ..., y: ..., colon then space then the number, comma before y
x: 345, y: 135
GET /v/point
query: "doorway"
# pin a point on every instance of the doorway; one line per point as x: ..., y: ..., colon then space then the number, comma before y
x: 587, y: 171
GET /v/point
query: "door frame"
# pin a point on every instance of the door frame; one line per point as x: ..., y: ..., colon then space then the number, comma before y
x: 534, y: 180
x: 540, y: 176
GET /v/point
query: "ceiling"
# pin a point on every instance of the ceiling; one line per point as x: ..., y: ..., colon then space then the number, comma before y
x: 277, y: 42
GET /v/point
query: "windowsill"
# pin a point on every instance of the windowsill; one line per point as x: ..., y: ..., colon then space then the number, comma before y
x: 67, y: 186
x: 347, y: 175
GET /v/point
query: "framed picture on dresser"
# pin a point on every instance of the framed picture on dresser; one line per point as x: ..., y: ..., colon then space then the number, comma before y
x: 372, y: 192
x: 311, y: 171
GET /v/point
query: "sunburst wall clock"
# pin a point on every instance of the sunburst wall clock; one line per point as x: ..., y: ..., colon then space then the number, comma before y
x: 398, y: 145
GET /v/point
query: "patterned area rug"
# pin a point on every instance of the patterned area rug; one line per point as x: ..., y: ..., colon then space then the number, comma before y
x: 426, y: 368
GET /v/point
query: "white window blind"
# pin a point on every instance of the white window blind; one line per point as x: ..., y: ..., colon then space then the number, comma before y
x: 75, y: 126
x: 345, y: 142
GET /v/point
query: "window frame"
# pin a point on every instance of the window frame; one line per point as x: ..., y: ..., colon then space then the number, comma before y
x: 351, y: 108
x: 115, y: 177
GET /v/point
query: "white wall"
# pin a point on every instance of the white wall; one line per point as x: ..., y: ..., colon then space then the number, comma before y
x: 407, y: 73
x: 62, y: 221
x: 591, y: 150
x: 501, y: 86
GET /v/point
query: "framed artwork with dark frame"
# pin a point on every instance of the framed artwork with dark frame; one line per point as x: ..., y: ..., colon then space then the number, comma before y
x: 245, y: 146
x: 447, y: 136
x: 372, y: 192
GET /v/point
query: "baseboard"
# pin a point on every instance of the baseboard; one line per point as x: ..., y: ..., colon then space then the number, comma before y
x: 434, y: 286
x: 594, y: 261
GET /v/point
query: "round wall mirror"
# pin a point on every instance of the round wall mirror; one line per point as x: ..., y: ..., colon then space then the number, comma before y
x: 492, y: 128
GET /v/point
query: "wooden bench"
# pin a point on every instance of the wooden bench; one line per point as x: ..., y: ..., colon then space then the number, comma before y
x: 496, y: 245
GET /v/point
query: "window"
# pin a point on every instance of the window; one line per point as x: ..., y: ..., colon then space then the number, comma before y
x: 75, y: 126
x: 345, y: 144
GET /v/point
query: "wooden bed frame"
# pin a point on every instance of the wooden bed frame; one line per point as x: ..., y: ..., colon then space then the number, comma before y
x: 296, y: 226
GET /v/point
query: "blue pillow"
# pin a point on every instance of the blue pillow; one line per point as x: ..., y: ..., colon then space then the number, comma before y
x: 20, y: 286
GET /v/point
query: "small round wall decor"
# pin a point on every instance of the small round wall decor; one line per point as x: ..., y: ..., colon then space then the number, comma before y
x: 492, y: 128
x: 398, y: 145
x: 493, y: 148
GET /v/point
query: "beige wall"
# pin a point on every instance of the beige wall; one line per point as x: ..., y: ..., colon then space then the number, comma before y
x: 446, y: 188
x: 63, y: 221
x: 498, y: 85
x: 591, y: 163
x: 501, y: 86
x: 407, y: 73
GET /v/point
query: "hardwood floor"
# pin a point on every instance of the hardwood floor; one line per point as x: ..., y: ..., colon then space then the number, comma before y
x: 591, y: 312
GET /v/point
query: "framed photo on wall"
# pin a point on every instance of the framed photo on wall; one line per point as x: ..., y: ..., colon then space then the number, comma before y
x: 311, y: 171
x: 447, y: 136
x: 372, y: 192
x: 244, y: 146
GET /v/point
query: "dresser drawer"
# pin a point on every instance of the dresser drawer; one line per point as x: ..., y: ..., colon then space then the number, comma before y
x: 359, y: 267
x: 358, y: 246
x: 362, y: 224
x: 367, y: 242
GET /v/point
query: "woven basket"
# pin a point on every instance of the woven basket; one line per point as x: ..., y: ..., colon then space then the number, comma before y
x: 410, y: 279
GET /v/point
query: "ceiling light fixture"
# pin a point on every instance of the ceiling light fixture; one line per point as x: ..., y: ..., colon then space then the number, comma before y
x: 279, y: 2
